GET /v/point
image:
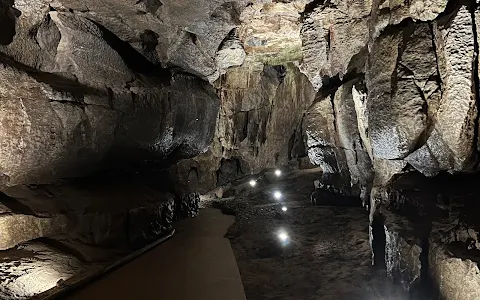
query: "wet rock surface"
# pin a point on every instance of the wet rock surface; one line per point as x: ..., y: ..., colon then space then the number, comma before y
x: 326, y: 255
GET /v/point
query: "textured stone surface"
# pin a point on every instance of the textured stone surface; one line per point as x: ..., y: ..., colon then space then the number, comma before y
x: 80, y: 33
x: 368, y: 90
x: 456, y: 278
x: 34, y: 268
x: 453, y: 256
x: 334, y: 142
x: 349, y: 137
x: 320, y: 134
x: 258, y: 125
x: 72, y: 137
x: 91, y: 106
x: 208, y: 39
x: 402, y: 251
x: 396, y: 104
x: 331, y: 37
x: 167, y: 32
x: 32, y: 127
x: 22, y: 228
x: 270, y: 31
x: 453, y: 259
x: 231, y: 54
x: 84, y: 213
x: 455, y: 51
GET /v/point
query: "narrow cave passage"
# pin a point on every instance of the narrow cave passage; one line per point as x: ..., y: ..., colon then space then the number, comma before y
x: 211, y: 149
x: 281, y: 247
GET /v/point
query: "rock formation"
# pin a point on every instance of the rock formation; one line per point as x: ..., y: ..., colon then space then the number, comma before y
x: 188, y: 96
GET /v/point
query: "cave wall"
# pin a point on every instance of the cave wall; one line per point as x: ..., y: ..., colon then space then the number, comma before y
x: 369, y: 90
x: 397, y: 93
x: 416, y: 114
x: 65, y: 114
x: 333, y: 138
x: 78, y: 97
x: 418, y: 106
x: 412, y: 64
x: 258, y: 126
x: 392, y: 71
x: 415, y: 100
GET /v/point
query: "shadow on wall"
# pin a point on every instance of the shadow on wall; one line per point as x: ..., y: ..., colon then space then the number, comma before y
x: 8, y: 18
x: 231, y: 169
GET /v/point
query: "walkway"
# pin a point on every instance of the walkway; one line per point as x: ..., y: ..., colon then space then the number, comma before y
x: 197, y: 263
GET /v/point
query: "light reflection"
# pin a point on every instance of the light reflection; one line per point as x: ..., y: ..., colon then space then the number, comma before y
x: 253, y: 183
x: 283, y: 236
x: 284, y: 208
x: 278, y: 173
x: 277, y: 195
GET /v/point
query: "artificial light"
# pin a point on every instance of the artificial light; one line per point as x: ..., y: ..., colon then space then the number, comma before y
x: 277, y: 195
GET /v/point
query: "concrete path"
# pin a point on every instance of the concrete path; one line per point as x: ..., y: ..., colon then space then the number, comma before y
x: 197, y: 263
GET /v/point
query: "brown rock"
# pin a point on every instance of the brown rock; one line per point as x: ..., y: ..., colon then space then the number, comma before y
x: 21, y: 228
x: 456, y: 278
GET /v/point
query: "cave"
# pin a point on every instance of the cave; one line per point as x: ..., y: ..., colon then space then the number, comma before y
x: 274, y: 149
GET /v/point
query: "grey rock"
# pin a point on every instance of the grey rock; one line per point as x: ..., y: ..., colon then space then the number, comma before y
x: 333, y: 140
x: 269, y: 31
x: 260, y: 116
x: 385, y: 170
x: 396, y: 119
x: 349, y: 138
x: 84, y: 213
x: 42, y: 135
x: 182, y: 120
x: 231, y: 54
x: 320, y: 134
x: 455, y: 51
x: 148, y: 222
x: 230, y: 170
x: 330, y: 49
x: 402, y: 251
x: 450, y: 143
x: 188, y: 205
x: 80, y: 33
x: 55, y: 136
x: 188, y: 35
x: 424, y: 161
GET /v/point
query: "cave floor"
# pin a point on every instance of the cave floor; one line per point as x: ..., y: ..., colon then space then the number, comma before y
x: 327, y: 254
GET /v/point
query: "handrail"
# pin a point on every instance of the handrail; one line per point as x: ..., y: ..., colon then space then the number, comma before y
x: 66, y: 289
